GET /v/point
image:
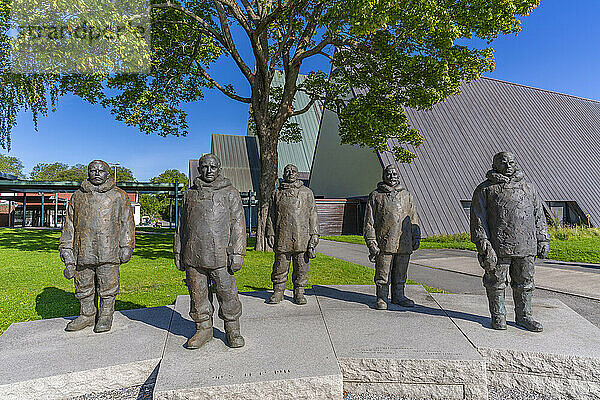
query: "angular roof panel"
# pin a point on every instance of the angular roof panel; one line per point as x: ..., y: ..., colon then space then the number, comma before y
x: 555, y: 138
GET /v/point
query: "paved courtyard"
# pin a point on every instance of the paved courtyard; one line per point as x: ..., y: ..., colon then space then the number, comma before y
x: 458, y: 271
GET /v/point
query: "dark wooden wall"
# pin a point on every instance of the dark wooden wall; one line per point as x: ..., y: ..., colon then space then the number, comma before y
x: 340, y: 216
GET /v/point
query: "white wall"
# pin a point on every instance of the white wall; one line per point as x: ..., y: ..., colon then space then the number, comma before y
x: 341, y: 171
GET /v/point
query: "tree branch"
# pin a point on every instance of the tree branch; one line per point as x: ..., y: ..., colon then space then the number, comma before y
x: 212, y: 31
x: 305, y: 109
x: 237, y: 13
x: 250, y: 11
x: 230, y: 45
x: 224, y: 90
x: 318, y: 49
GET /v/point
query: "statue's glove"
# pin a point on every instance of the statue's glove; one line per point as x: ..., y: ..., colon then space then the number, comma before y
x: 416, y: 243
x: 542, y: 249
x: 69, y: 271
x: 271, y: 241
x: 235, y: 262
x: 66, y: 255
x: 373, y: 250
x: 311, y: 251
x: 177, y: 259
x: 486, y: 255
x: 125, y: 254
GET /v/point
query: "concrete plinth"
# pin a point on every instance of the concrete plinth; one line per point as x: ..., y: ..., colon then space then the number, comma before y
x: 562, y: 361
x: 415, y: 352
x: 287, y: 356
x: 42, y: 361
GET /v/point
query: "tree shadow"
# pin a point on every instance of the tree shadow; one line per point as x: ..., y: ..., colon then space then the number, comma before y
x: 29, y: 239
x: 53, y: 302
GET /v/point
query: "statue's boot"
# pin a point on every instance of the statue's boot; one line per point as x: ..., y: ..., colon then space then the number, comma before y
x: 523, y: 316
x: 105, y: 315
x: 232, y: 334
x: 277, y: 295
x: 382, y: 296
x: 299, y: 297
x: 87, y: 315
x: 204, y: 332
x: 399, y: 298
x: 497, y: 309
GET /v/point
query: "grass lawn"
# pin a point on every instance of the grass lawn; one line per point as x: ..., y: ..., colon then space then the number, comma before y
x: 575, y: 244
x: 32, y: 285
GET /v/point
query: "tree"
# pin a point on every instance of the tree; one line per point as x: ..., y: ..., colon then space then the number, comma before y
x: 77, y: 173
x: 159, y: 205
x: 393, y: 54
x: 11, y: 165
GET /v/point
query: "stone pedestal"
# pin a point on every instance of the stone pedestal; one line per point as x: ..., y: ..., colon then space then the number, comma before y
x: 416, y: 353
x: 42, y: 361
x: 563, y: 361
x: 287, y: 356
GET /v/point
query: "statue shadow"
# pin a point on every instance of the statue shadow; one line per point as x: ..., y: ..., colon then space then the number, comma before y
x: 53, y: 302
x: 369, y: 300
x: 265, y: 294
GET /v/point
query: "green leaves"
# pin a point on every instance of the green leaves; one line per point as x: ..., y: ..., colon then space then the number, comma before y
x: 11, y: 165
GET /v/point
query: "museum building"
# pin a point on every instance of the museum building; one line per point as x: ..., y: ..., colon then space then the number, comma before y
x: 555, y: 138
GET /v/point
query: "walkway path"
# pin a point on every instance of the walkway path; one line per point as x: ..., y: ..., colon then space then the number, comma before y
x: 458, y: 271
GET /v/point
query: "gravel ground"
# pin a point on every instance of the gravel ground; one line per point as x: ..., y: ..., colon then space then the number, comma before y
x: 495, y: 393
x: 133, y: 393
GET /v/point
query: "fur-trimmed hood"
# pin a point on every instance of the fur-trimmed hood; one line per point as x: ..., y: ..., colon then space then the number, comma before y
x: 385, y: 188
x: 87, y: 186
x: 217, y: 184
x: 293, y: 185
x: 496, y: 177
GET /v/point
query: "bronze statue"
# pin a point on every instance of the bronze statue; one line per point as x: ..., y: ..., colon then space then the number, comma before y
x: 210, y: 245
x: 508, y: 226
x: 392, y: 233
x: 293, y: 233
x: 98, y: 236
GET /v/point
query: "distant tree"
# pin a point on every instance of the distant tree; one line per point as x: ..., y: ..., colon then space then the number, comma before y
x: 171, y: 176
x: 77, y: 173
x: 123, y: 174
x: 11, y: 165
x: 158, y: 205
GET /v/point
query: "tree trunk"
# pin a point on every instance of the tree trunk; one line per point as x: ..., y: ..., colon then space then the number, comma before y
x: 268, y: 177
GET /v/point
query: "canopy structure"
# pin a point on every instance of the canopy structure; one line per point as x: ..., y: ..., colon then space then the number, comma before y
x: 41, y: 196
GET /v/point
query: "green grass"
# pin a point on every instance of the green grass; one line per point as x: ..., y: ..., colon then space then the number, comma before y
x: 32, y: 285
x: 458, y: 241
x: 571, y: 244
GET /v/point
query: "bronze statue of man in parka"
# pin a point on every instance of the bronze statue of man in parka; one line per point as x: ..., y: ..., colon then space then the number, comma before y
x: 392, y: 233
x: 210, y: 245
x: 508, y: 226
x: 98, y: 235
x: 293, y: 233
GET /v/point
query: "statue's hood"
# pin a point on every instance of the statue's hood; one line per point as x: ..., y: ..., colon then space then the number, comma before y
x: 87, y: 186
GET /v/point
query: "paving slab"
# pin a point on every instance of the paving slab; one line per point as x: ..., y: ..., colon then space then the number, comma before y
x: 416, y: 353
x: 578, y: 283
x: 562, y: 361
x: 288, y: 355
x: 42, y: 361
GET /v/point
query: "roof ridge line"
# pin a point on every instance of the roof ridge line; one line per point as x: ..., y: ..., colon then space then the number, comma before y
x: 540, y: 89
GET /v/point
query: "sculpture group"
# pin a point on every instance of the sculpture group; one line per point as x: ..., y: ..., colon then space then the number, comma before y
x: 507, y: 222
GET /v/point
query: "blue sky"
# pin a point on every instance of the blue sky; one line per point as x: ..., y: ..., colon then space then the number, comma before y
x: 558, y: 49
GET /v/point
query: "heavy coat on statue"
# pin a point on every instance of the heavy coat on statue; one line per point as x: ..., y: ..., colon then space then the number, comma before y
x: 293, y: 232
x: 509, y: 228
x: 210, y: 245
x: 392, y: 232
x: 98, y: 235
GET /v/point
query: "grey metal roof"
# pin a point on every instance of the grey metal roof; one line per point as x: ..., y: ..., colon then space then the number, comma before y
x: 555, y: 138
x: 301, y: 153
x: 239, y: 159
